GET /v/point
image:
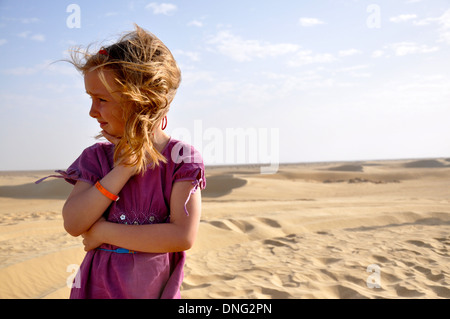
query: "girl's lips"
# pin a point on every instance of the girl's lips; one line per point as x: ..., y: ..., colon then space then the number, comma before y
x: 103, y: 124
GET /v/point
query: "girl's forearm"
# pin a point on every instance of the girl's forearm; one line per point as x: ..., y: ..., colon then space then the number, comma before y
x: 86, y: 204
x: 155, y: 238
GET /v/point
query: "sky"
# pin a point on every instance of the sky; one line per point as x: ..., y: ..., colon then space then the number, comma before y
x: 262, y: 81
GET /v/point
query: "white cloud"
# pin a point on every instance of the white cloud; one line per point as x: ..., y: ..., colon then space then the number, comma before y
x: 3, y: 41
x: 21, y: 20
x: 242, y: 50
x: 29, y: 20
x: 444, y: 20
x: 308, y: 57
x: 46, y: 66
x: 444, y: 26
x: 195, y: 23
x: 309, y: 22
x: 355, y: 68
x: 403, y: 18
x: 356, y: 71
x: 24, y: 34
x: 20, y: 71
x: 111, y: 14
x: 444, y: 30
x: 405, y: 48
x: 191, y: 77
x: 193, y: 56
x: 38, y: 37
x: 309, y: 81
x: 426, y: 21
x: 378, y: 54
x: 349, y: 52
x: 161, y: 8
x: 35, y: 37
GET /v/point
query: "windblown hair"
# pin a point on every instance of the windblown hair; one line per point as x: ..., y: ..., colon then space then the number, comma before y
x: 148, y: 77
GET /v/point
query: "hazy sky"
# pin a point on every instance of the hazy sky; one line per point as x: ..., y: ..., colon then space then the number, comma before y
x: 292, y: 81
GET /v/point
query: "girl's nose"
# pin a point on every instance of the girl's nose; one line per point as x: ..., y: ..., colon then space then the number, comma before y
x: 93, y: 112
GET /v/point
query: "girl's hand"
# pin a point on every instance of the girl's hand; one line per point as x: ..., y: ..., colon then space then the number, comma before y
x: 91, y: 237
x: 115, y: 140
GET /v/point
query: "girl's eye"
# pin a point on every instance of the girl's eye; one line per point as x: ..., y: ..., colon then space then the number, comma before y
x: 97, y: 98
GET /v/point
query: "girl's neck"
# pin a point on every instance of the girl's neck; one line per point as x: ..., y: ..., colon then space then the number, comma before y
x: 160, y: 140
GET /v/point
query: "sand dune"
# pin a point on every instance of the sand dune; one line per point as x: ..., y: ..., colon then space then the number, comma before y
x: 426, y: 164
x: 377, y: 229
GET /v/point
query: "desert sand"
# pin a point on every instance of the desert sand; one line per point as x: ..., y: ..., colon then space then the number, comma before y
x: 373, y: 229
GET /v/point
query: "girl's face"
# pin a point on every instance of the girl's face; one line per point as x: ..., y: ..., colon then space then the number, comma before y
x: 105, y: 108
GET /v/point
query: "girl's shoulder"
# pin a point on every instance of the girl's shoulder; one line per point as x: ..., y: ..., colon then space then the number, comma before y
x: 100, y: 146
x: 184, y: 163
x: 180, y: 152
x: 98, y: 151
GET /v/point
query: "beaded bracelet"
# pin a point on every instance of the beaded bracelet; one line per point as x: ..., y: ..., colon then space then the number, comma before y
x: 105, y: 192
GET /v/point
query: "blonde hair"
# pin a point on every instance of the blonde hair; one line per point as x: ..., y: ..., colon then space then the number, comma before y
x: 148, y: 77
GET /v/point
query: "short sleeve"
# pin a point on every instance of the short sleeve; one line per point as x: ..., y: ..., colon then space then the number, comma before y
x: 189, y: 167
x: 93, y: 163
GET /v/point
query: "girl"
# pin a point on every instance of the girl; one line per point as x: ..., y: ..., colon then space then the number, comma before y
x: 134, y: 201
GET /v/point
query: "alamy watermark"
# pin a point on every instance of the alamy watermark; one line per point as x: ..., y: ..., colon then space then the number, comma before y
x: 74, y: 19
x: 74, y: 279
x: 374, y: 280
x: 233, y: 146
x: 374, y: 19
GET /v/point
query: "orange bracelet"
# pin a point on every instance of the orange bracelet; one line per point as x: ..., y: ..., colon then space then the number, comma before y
x: 105, y: 192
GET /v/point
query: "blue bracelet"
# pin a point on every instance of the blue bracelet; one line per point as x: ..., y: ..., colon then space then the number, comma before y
x: 119, y: 250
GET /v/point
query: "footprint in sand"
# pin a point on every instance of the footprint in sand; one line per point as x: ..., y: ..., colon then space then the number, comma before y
x: 197, y: 281
x: 270, y: 222
x: 233, y: 225
x: 419, y: 243
x: 429, y: 274
x: 403, y: 291
x: 286, y: 241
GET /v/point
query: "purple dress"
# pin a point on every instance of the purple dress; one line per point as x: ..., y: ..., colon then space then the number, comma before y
x: 143, y: 200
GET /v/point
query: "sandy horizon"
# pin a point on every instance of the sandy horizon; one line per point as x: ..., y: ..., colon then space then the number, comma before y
x: 360, y: 229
